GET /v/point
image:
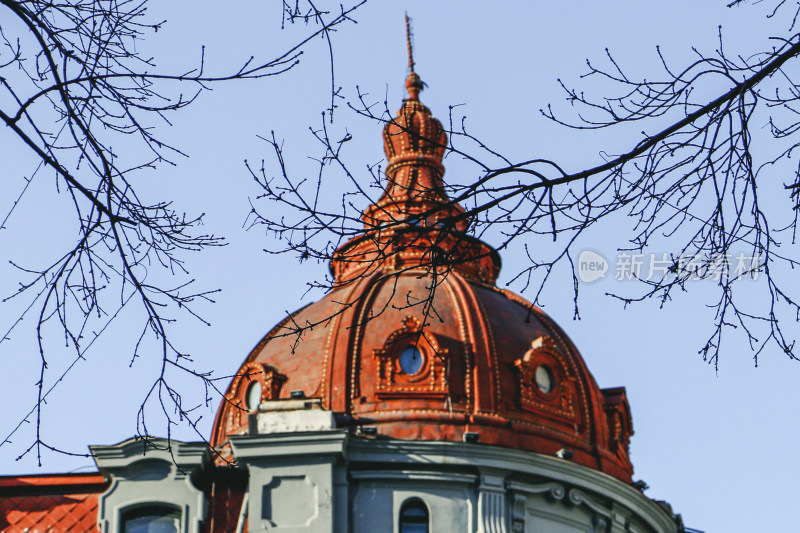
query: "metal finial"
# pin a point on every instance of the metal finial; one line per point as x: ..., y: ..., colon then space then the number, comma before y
x: 413, y: 83
x: 410, y: 46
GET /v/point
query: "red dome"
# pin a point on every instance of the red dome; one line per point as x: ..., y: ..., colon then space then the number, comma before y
x: 416, y: 339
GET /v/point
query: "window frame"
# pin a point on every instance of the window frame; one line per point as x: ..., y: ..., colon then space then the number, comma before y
x: 413, y: 503
x: 140, y: 510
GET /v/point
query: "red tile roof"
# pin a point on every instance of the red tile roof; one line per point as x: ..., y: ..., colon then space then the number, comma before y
x: 52, y: 503
x: 68, y: 503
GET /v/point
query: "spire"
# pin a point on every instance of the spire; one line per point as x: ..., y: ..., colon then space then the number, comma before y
x: 413, y: 83
x: 410, y: 46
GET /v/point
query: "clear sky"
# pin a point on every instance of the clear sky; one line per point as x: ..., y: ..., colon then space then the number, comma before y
x: 713, y: 443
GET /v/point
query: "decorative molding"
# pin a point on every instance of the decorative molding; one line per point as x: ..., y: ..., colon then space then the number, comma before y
x: 271, y: 382
x: 554, y: 491
x: 491, y: 511
x: 267, y: 447
x: 577, y: 497
x: 289, y: 501
x: 492, y: 501
x: 155, y: 472
x: 412, y: 454
x: 518, y: 513
x: 561, y: 402
x: 599, y: 524
x: 293, y: 486
x: 620, y: 424
x: 413, y: 475
x: 601, y: 515
x: 123, y: 458
x: 429, y: 382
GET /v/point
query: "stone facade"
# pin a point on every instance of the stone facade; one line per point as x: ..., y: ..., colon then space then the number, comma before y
x: 330, y: 481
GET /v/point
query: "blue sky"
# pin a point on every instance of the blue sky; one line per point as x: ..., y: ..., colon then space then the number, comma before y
x: 710, y: 442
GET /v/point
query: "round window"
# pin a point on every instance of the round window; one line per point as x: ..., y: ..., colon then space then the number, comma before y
x: 544, y: 378
x: 411, y: 360
x: 253, y: 395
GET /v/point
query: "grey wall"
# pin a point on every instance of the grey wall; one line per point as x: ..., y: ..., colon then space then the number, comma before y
x: 331, y: 482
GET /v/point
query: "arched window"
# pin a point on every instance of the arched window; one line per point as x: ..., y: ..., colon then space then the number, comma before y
x: 152, y: 519
x: 414, y: 516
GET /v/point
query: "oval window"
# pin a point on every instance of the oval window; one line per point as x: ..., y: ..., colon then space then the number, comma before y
x: 254, y: 395
x: 411, y: 360
x: 544, y: 379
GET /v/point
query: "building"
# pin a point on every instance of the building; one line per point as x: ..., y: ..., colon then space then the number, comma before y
x: 420, y: 398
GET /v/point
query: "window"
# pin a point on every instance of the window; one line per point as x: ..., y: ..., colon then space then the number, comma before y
x: 414, y: 516
x: 149, y: 493
x: 152, y: 519
x: 544, y: 379
x: 411, y: 360
x: 254, y: 395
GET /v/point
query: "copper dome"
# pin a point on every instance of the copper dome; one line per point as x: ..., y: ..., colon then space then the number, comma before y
x: 416, y: 339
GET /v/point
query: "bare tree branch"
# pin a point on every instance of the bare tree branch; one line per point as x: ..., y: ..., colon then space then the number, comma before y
x: 694, y: 185
x: 72, y: 85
